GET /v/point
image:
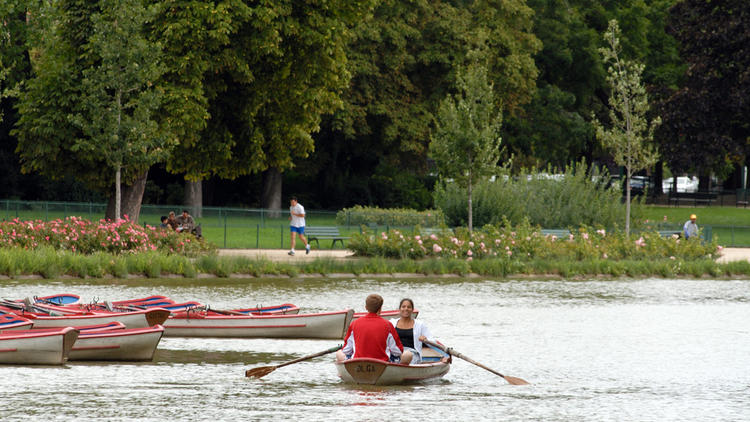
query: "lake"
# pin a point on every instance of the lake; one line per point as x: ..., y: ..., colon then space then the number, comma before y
x: 646, y: 350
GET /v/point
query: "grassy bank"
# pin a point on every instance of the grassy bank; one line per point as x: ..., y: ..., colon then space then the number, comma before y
x: 49, y: 264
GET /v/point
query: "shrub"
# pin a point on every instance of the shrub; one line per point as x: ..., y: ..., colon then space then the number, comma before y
x: 525, y: 242
x: 88, y: 237
x: 581, y: 196
x: 400, y: 217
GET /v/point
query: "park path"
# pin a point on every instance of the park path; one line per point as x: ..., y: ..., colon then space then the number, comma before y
x: 727, y: 255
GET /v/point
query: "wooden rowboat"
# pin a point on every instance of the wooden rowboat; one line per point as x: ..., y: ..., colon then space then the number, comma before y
x: 394, y: 313
x: 323, y: 325
x: 133, y: 319
x: 46, y: 347
x: 127, y: 344
x: 14, y: 322
x: 378, y: 372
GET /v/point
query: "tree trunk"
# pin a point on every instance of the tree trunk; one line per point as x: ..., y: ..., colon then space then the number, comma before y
x: 132, y: 196
x: 658, y: 178
x: 118, y: 194
x: 627, y: 204
x: 471, y: 211
x: 271, y: 195
x: 194, y: 198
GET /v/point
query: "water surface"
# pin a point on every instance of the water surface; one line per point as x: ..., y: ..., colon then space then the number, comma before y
x: 646, y: 350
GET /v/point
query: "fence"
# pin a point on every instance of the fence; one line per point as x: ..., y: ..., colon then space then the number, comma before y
x: 241, y: 228
x: 235, y: 228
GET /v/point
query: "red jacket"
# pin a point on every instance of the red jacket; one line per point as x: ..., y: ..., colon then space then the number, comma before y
x: 372, y: 337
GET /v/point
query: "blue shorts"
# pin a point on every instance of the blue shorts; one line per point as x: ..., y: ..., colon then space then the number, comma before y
x: 300, y: 230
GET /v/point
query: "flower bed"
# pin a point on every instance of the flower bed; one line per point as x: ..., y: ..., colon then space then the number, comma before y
x: 525, y: 242
x: 87, y: 237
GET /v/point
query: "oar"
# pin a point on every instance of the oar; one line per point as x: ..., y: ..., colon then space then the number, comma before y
x: 450, y: 351
x: 265, y: 370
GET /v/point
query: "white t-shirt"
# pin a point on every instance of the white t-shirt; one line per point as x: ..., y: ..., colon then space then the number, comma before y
x: 297, y: 221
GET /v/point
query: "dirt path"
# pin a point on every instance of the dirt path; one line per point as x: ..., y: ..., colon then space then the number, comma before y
x: 727, y: 255
x: 282, y: 254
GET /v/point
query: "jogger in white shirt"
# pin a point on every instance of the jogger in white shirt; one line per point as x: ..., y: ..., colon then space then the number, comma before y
x: 297, y: 224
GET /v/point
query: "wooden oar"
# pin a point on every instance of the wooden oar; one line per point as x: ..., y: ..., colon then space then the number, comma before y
x: 265, y: 370
x: 450, y: 351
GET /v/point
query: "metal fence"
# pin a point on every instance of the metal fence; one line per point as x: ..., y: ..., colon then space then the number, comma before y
x: 263, y: 228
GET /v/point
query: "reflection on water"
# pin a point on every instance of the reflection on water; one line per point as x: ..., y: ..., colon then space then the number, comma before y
x: 646, y: 350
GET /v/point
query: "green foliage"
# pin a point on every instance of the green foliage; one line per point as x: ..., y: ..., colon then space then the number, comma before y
x: 630, y: 137
x: 579, y: 196
x: 359, y: 215
x: 466, y: 142
x: 525, y: 243
x: 708, y: 112
x: 91, y: 100
x: 87, y: 237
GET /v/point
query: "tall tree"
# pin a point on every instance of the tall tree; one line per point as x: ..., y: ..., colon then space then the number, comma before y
x: 285, y: 66
x: 706, y: 127
x: 466, y: 143
x: 91, y: 101
x: 630, y: 135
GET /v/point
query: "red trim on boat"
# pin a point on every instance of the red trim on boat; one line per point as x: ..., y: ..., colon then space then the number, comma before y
x: 114, y: 346
x: 200, y: 327
x: 8, y: 350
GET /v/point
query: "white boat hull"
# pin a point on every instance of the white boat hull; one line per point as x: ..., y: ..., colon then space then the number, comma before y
x: 324, y: 325
x: 135, y: 319
x: 135, y: 344
x: 376, y: 372
x: 43, y: 348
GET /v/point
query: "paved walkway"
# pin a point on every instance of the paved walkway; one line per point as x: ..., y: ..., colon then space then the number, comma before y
x: 728, y: 254
x: 282, y: 254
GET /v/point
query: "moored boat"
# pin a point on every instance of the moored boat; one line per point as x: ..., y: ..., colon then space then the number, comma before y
x: 132, y: 319
x: 393, y: 313
x: 127, y: 344
x: 378, y: 372
x: 45, y: 347
x: 14, y: 322
x: 323, y: 325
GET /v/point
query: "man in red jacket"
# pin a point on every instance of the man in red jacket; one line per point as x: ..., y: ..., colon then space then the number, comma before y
x: 371, y: 336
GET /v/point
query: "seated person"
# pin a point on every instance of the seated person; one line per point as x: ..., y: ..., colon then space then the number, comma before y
x: 185, y: 223
x: 371, y: 336
x: 172, y: 221
x: 164, y: 222
x: 411, y: 333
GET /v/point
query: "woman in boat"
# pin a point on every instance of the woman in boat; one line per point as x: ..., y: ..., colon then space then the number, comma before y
x: 411, y: 333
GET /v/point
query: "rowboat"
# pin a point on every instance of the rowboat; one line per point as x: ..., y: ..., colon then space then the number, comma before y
x: 394, y: 313
x: 132, y: 319
x: 323, y: 325
x: 14, y: 322
x: 46, y: 347
x: 127, y: 344
x: 378, y: 372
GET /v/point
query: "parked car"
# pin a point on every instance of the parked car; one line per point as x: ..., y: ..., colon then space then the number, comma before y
x: 639, y: 185
x: 684, y: 184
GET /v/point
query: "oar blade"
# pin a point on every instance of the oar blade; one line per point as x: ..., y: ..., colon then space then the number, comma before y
x: 259, y: 372
x: 515, y: 381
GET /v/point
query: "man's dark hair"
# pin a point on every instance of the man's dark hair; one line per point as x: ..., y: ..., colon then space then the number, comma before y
x: 294, y: 198
x: 185, y: 211
x: 373, y: 303
x: 164, y: 217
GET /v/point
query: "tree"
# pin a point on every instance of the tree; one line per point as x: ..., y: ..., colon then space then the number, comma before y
x: 284, y: 67
x: 466, y: 142
x: 91, y: 102
x: 630, y: 135
x: 706, y: 126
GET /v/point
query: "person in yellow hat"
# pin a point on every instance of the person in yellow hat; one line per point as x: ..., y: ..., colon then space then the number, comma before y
x: 690, y: 229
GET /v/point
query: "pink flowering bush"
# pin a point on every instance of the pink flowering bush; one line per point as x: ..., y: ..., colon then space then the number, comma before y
x: 526, y: 242
x: 87, y: 237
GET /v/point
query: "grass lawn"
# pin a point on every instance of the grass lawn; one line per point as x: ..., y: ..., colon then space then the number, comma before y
x: 730, y: 225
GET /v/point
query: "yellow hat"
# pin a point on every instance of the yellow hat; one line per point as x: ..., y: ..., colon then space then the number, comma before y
x: 693, y: 216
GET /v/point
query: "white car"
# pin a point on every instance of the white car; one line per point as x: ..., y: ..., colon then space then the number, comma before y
x: 684, y: 184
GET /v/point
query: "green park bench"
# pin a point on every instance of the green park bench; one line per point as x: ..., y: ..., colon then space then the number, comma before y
x: 324, y: 233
